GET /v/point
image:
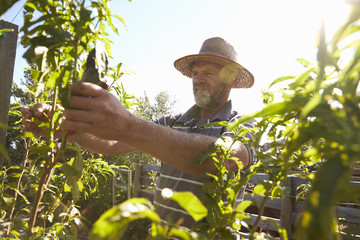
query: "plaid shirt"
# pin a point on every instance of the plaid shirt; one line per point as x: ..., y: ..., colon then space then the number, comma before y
x: 181, y: 181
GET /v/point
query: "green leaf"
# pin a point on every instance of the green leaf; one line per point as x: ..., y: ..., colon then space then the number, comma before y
x: 113, y: 223
x: 51, y: 81
x: 67, y: 188
x: 68, y: 170
x: 8, y: 200
x: 243, y: 206
x: 107, y: 46
x: 180, y: 232
x: 267, y: 111
x: 191, y: 204
x: 347, y: 28
x: 42, y: 150
x: 75, y: 191
x: 213, y: 206
x: 118, y: 68
x: 281, y: 79
x: 304, y: 62
x: 277, y: 191
x: 101, y: 27
x: 301, y: 78
x: 121, y: 19
x: 331, y: 186
x: 310, y: 105
x: 21, y: 195
x: 259, y: 189
x: 78, y: 165
x: 30, y: 5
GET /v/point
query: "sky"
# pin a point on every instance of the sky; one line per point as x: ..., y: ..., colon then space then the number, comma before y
x: 268, y: 35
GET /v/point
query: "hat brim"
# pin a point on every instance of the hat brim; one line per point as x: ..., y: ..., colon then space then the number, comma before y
x: 244, y: 79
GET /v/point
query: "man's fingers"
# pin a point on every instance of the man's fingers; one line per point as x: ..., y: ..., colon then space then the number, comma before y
x: 80, y: 115
x: 30, y: 126
x: 75, y: 125
x: 86, y: 89
x: 78, y: 102
x: 39, y: 111
x: 25, y: 112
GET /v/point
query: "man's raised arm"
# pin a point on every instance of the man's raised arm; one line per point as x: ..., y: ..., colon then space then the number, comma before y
x: 98, y: 113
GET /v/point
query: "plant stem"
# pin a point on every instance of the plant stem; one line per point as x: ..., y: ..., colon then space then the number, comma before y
x: 45, y: 178
x: 261, y: 210
x: 18, y: 186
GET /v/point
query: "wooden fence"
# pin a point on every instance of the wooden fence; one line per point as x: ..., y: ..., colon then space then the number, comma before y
x: 286, y: 210
x: 283, y: 211
x: 122, y: 180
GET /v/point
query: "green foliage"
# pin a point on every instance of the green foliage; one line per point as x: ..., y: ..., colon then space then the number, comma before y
x: 144, y: 109
x: 317, y: 122
x: 154, y: 179
x: 114, y: 222
x: 163, y: 106
x: 57, y: 36
x: 189, y: 202
x: 314, y: 124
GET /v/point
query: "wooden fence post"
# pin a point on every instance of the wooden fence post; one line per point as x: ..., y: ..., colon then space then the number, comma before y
x: 129, y: 184
x: 114, y: 180
x: 8, y: 42
x: 137, y: 180
x: 286, y: 207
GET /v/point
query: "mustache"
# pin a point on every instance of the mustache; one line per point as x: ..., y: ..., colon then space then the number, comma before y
x: 202, y: 85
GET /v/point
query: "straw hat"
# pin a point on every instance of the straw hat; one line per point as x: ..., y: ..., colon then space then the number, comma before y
x: 217, y: 50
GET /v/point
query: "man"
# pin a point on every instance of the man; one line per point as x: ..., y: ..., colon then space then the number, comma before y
x: 104, y: 126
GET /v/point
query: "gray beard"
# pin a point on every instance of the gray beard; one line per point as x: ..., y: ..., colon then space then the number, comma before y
x: 202, y: 100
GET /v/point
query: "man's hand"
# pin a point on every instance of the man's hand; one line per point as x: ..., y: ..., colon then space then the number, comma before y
x: 95, y: 111
x: 238, y: 151
x: 41, y: 112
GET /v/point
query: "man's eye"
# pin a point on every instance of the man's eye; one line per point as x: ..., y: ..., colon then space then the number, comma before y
x: 209, y: 73
x: 194, y: 74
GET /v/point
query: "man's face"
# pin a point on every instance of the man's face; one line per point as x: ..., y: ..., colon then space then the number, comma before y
x: 210, y: 85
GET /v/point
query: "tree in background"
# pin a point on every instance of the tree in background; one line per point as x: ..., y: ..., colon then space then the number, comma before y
x: 163, y: 106
x: 144, y: 109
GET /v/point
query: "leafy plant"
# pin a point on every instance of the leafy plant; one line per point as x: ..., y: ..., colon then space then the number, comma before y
x: 317, y: 122
x: 58, y: 35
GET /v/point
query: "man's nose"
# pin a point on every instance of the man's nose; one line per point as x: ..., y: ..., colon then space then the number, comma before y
x: 199, y: 78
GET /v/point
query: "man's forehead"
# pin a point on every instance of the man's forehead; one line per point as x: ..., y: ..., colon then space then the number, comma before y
x: 206, y: 64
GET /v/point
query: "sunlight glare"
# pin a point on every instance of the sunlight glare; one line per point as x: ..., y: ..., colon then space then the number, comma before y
x: 333, y: 13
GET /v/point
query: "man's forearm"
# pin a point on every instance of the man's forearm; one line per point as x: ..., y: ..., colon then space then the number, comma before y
x: 175, y: 148
x: 97, y: 145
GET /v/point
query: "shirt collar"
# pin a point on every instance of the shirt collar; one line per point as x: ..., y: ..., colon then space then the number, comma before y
x: 193, y: 113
